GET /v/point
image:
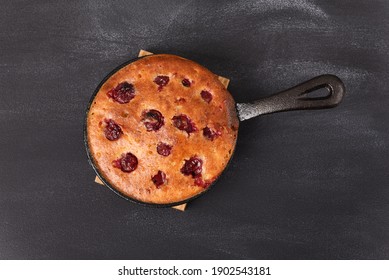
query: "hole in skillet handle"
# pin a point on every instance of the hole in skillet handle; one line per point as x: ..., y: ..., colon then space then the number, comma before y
x: 305, y: 96
x: 318, y: 93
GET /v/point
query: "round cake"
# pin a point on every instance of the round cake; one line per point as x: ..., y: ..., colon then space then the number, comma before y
x: 161, y: 129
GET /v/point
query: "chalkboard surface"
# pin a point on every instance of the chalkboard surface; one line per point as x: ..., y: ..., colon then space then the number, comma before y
x: 302, y: 185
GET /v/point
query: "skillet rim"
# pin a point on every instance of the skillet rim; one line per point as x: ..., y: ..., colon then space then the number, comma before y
x: 92, y: 161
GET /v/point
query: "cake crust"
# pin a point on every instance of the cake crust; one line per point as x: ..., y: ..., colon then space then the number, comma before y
x: 191, y: 91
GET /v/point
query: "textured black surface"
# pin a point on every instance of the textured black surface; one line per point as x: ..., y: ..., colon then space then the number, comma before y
x: 309, y: 185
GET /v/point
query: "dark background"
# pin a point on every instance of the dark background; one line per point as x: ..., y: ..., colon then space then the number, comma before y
x: 302, y: 185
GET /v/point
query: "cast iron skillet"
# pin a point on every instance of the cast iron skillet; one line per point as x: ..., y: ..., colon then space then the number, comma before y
x: 295, y: 98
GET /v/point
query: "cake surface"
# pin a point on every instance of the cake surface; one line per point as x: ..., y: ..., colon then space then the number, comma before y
x: 161, y: 129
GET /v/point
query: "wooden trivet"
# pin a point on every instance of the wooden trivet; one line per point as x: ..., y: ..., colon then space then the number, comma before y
x: 224, y: 81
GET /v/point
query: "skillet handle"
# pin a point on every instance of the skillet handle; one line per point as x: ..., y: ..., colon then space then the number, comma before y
x: 296, y: 98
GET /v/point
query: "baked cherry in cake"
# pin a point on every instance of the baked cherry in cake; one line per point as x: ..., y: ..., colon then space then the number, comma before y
x: 122, y: 93
x: 161, y: 129
x: 183, y: 122
x: 159, y: 179
x: 206, y: 96
x: 152, y: 119
x: 112, y: 130
x: 164, y: 149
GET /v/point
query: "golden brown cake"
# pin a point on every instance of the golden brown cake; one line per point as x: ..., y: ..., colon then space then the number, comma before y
x: 161, y: 129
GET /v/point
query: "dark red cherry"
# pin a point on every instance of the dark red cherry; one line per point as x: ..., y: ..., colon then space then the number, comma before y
x: 210, y: 134
x: 122, y: 93
x: 186, y: 83
x: 153, y: 120
x: 127, y: 162
x: 206, y: 95
x: 183, y: 122
x: 164, y: 149
x: 192, y: 166
x: 112, y: 130
x: 201, y: 183
x: 161, y: 81
x: 159, y: 179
